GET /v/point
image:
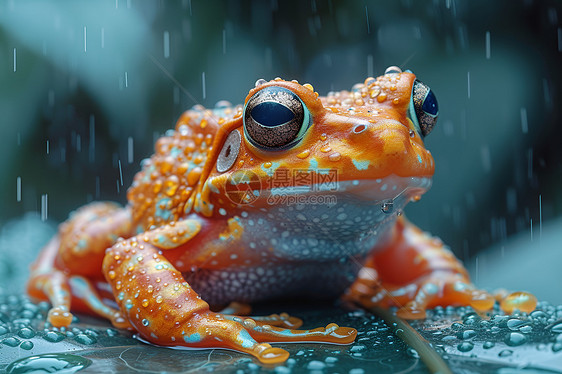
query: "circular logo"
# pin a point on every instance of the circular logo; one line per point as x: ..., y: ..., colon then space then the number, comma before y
x: 243, y: 187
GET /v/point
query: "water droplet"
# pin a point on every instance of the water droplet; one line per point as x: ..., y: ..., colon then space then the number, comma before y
x: 3, y: 330
x: 85, y: 339
x: 145, y: 322
x: 222, y: 104
x: 54, y: 336
x: 315, y: 365
x: 468, y: 334
x: 505, y: 353
x: 27, y: 345
x: 26, y: 333
x: 488, y: 345
x: 514, y: 339
x: 514, y: 324
x: 392, y: 70
x: 11, y: 341
x: 259, y: 82
x: 387, y: 207
x: 557, y: 328
x: 465, y: 346
x: 49, y: 363
x: 557, y: 347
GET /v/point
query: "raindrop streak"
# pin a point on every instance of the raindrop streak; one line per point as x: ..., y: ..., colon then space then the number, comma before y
x: 14, y: 60
x: 530, y: 163
x: 368, y: 25
x: 370, y: 65
x: 126, y: 79
x: 531, y: 229
x: 98, y: 187
x: 488, y: 51
x: 166, y: 44
x: 92, y: 147
x: 84, y: 38
x: 18, y: 189
x: 44, y: 207
x: 524, y: 124
x: 468, y: 83
x: 102, y: 37
x: 486, y: 161
x: 540, y: 218
x: 203, y: 84
x: 47, y: 147
x: 120, y: 173
x: 130, y: 150
x: 224, y: 41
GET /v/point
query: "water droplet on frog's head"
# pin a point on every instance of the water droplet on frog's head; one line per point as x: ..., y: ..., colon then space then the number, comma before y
x: 412, y: 133
x: 392, y: 70
x: 222, y: 104
x: 49, y: 363
x: 259, y: 82
x: 387, y: 206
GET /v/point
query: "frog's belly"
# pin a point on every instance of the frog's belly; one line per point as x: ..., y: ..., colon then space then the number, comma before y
x: 252, y: 284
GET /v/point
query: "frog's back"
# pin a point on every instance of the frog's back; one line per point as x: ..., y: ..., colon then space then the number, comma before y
x: 161, y: 190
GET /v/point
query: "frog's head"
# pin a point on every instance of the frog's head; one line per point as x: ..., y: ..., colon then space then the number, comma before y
x: 363, y: 149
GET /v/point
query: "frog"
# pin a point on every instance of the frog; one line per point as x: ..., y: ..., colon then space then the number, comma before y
x: 290, y: 195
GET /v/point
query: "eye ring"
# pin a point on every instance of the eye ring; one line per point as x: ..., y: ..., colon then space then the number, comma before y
x: 229, y: 151
x: 275, y: 118
x: 423, y: 109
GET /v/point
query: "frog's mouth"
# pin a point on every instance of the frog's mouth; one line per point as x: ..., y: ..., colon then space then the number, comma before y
x: 337, y: 216
x: 368, y: 190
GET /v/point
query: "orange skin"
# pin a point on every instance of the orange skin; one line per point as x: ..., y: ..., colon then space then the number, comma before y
x: 181, y: 227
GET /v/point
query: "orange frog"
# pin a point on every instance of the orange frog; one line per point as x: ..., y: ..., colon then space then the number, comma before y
x: 291, y: 194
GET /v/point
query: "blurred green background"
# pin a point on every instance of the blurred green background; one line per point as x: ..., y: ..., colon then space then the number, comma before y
x: 86, y: 87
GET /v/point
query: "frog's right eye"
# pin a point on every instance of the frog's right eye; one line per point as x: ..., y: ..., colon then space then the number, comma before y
x: 423, y: 108
x: 275, y: 118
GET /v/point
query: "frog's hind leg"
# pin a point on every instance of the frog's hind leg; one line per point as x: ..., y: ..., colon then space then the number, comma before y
x: 78, y: 248
x: 415, y: 271
x: 46, y: 282
x: 235, y: 310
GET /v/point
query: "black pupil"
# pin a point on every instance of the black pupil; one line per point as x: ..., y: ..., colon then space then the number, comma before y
x: 227, y: 153
x: 430, y: 104
x: 270, y: 113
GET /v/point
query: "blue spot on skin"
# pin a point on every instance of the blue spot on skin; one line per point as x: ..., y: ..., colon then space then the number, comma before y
x: 361, y: 165
x: 163, y: 212
x: 193, y: 338
x: 420, y: 159
x: 313, y: 164
x: 128, y: 304
x: 174, y: 152
x: 247, y: 341
x: 271, y: 170
x: 82, y: 243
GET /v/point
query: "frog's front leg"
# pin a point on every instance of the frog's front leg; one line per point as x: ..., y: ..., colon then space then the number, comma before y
x: 64, y: 270
x: 415, y: 271
x: 165, y: 310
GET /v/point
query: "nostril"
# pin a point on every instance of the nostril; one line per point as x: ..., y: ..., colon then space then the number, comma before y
x: 359, y: 129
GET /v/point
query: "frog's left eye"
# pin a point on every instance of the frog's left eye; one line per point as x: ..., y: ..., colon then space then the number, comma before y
x: 423, y: 108
x: 275, y: 118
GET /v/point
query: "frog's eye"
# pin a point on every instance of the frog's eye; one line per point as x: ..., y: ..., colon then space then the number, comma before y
x: 275, y: 118
x: 423, y: 108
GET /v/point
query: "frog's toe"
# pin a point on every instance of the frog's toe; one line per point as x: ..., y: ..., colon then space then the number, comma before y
x: 120, y: 322
x: 278, y: 320
x: 271, y: 355
x: 330, y: 334
x: 59, y: 317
